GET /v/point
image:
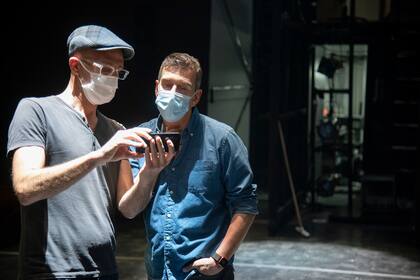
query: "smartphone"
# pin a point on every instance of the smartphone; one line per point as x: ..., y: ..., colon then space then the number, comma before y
x: 175, y: 137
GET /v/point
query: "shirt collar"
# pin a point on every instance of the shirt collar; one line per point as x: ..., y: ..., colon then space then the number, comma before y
x: 192, y: 124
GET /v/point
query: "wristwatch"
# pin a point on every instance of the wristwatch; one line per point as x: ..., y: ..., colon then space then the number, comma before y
x: 220, y: 260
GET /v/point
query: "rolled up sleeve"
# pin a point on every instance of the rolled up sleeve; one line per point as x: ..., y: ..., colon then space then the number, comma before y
x: 237, y: 173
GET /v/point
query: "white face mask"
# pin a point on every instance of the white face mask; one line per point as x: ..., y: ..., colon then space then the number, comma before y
x: 101, y: 89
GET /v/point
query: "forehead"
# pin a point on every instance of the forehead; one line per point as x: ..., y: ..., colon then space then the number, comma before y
x: 177, y: 74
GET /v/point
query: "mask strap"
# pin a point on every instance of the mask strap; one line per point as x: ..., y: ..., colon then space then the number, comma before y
x: 83, y: 65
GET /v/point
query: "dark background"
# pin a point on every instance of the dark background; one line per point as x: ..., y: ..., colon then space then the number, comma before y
x: 34, y: 61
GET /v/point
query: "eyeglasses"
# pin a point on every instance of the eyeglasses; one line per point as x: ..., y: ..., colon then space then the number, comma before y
x: 109, y: 70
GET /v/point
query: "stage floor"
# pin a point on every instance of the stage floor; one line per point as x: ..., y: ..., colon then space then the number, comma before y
x: 334, y: 251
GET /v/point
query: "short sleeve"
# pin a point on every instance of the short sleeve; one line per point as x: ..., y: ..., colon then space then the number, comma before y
x: 28, y: 127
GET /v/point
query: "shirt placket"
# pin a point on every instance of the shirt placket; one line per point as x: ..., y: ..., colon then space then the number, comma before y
x: 169, y: 225
x: 95, y: 142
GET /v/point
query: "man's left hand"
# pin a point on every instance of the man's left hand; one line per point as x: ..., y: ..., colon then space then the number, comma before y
x: 206, y: 266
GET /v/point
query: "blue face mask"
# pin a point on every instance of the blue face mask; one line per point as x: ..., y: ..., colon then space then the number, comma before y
x: 172, y: 105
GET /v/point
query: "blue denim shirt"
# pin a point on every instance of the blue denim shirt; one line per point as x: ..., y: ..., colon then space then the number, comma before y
x: 195, y: 196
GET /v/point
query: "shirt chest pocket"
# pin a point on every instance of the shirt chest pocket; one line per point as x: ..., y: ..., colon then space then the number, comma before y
x: 202, y: 178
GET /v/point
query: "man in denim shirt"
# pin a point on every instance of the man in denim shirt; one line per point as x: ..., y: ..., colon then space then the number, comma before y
x: 201, y: 205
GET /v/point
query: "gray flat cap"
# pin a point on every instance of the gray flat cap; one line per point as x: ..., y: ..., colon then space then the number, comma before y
x: 98, y: 38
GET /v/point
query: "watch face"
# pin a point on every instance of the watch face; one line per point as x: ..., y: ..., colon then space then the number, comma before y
x: 223, y: 262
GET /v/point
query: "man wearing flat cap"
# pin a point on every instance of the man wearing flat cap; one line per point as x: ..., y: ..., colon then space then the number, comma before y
x: 70, y: 164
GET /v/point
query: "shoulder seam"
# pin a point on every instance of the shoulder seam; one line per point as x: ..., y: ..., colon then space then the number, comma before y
x: 42, y: 110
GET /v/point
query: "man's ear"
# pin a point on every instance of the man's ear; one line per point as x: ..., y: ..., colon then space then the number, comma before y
x: 156, y: 87
x: 196, y: 97
x: 73, y: 63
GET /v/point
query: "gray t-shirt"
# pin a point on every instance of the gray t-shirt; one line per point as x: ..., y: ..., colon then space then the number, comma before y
x: 70, y: 234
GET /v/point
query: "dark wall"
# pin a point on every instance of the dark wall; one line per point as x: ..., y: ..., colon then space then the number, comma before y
x: 34, y: 61
x: 280, y: 93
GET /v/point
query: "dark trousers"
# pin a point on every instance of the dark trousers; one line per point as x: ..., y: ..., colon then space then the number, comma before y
x: 226, y: 274
x: 107, y: 277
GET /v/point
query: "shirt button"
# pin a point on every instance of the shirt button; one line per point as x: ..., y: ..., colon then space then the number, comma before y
x: 191, y: 134
x: 171, y: 192
x: 168, y: 262
x: 173, y: 169
x: 168, y: 215
x: 167, y: 237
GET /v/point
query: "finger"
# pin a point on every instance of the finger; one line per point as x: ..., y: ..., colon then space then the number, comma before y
x: 124, y: 153
x: 159, y: 144
x: 199, y: 262
x: 148, y: 130
x: 141, y: 136
x: 171, y: 150
x: 188, y: 267
x: 147, y: 156
x: 153, y: 153
x: 161, y: 150
x: 133, y: 154
x: 128, y: 142
x: 133, y: 136
x: 126, y: 148
x: 139, y: 142
x: 142, y: 132
x: 125, y: 134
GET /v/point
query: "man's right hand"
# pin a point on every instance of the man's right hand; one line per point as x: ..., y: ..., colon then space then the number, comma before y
x: 133, y: 198
x: 156, y: 159
x: 117, y: 147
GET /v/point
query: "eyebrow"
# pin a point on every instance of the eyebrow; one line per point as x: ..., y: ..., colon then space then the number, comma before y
x: 181, y: 82
x: 109, y: 63
x: 105, y: 62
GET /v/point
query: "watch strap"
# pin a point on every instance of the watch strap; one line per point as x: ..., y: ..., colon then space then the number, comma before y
x: 222, y: 261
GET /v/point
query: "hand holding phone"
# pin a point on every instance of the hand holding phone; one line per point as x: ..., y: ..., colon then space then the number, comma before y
x: 175, y: 137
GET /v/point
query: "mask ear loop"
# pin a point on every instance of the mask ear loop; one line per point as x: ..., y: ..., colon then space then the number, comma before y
x: 87, y: 70
x: 91, y: 72
x: 83, y: 65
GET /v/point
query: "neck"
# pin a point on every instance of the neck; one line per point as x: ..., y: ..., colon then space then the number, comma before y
x: 179, y: 125
x: 73, y: 96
